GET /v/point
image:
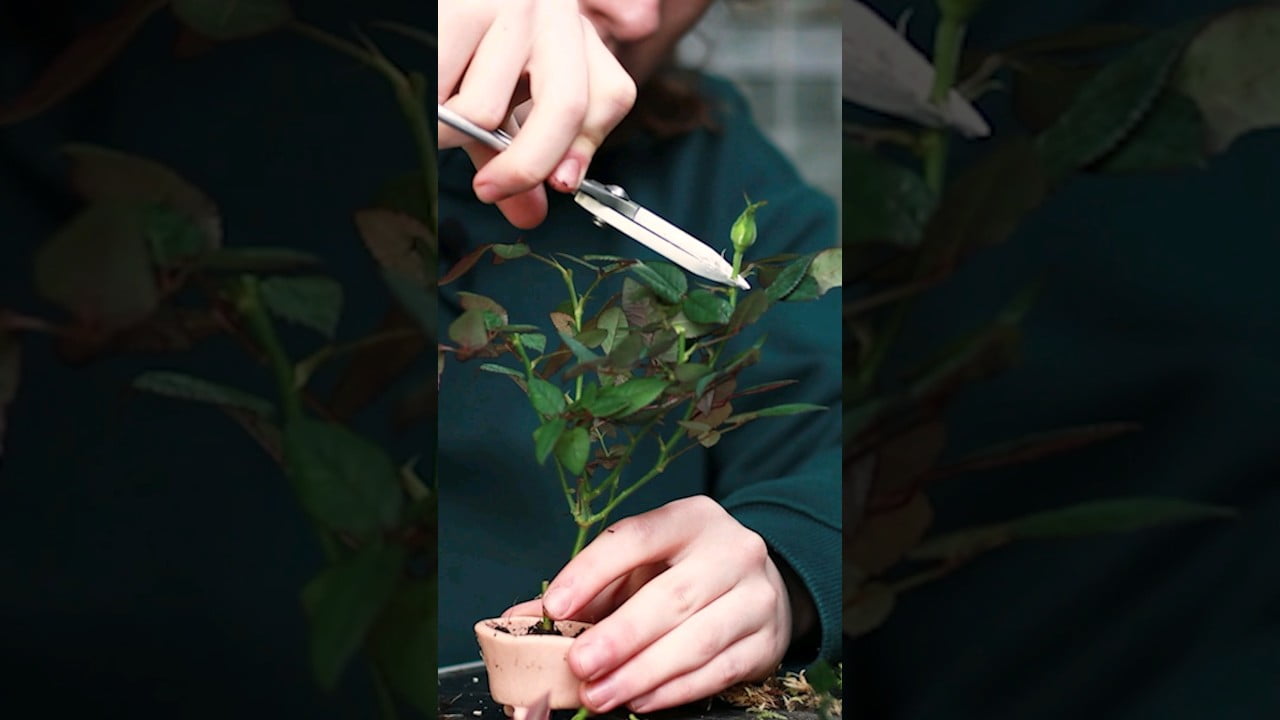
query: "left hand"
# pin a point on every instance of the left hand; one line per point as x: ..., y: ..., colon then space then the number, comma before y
x: 686, y: 601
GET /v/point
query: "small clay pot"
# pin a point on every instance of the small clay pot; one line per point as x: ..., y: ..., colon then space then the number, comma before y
x: 523, y: 668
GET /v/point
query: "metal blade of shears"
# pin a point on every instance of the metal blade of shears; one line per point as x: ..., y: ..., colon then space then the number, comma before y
x: 610, y: 205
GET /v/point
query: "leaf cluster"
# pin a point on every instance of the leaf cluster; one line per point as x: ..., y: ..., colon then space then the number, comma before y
x: 1090, y: 100
x: 605, y: 372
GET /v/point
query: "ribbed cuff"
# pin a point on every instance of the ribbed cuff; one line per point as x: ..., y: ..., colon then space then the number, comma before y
x: 814, y: 554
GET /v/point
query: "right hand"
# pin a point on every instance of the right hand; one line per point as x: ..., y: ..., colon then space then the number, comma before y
x: 537, y: 66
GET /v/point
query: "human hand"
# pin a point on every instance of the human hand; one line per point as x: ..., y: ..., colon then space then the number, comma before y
x: 686, y: 602
x: 546, y: 58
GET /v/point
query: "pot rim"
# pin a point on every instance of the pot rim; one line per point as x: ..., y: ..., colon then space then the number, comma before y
x: 489, y: 625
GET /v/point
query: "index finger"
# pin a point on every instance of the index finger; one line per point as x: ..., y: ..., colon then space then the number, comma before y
x: 558, y: 87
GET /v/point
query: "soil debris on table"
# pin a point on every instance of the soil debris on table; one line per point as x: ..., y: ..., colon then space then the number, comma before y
x: 781, y: 693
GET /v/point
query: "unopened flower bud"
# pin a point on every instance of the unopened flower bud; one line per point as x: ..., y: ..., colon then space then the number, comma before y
x: 743, y: 232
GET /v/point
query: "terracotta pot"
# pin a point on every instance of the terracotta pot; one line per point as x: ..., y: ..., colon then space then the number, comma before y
x: 523, y: 668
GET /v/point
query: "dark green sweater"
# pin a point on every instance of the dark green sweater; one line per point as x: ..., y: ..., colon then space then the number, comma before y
x: 504, y: 525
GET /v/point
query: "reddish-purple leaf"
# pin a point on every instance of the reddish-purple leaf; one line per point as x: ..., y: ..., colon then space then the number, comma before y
x: 80, y: 61
x: 1035, y: 447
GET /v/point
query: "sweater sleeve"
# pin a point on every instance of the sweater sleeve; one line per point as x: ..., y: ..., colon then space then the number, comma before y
x: 780, y: 476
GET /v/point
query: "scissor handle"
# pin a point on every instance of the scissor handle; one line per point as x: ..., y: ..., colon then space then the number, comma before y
x: 496, y: 139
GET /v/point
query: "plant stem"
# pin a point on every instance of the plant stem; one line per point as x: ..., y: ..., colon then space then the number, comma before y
x: 412, y: 99
x: 545, y: 623
x: 581, y: 540
x: 737, y: 267
x: 410, y: 93
x: 249, y: 303
x: 948, y: 42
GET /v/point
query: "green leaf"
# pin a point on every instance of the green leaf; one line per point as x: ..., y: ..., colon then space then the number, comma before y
x: 612, y: 321
x: 534, y: 341
x: 545, y: 397
x: 603, y: 402
x: 1111, y: 516
x: 580, y: 351
x: 342, y: 602
x: 707, y: 308
x: 666, y: 280
x: 502, y: 370
x: 257, y: 259
x: 593, y: 338
x: 572, y: 450
x: 470, y: 330
x: 414, y: 299
x: 309, y: 300
x: 511, y: 251
x: 1171, y: 136
x: 403, y: 642
x: 231, y: 19
x: 883, y: 202
x: 98, y: 267
x: 344, y: 481
x: 91, y: 51
x: 962, y: 544
x: 805, y: 291
x: 788, y: 279
x: 822, y: 677
x: 639, y: 392
x: 776, y: 411
x: 789, y: 409
x: 171, y: 235
x: 185, y: 387
x: 546, y: 436
x: 627, y: 352
x: 691, y: 372
x: 1112, y: 103
x: 1044, y: 89
x: 1229, y: 70
x: 827, y: 269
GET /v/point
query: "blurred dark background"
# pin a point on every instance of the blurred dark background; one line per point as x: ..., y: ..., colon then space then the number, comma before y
x: 1159, y: 307
x: 153, y: 554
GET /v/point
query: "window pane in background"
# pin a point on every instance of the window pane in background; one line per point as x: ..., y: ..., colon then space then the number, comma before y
x: 785, y: 57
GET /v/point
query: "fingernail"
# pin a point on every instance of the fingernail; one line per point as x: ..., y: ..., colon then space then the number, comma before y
x: 601, y: 694
x: 487, y: 193
x: 555, y: 602
x: 641, y: 704
x: 568, y: 175
x: 590, y: 657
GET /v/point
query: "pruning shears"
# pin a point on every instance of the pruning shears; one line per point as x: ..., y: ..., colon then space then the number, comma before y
x: 610, y: 205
